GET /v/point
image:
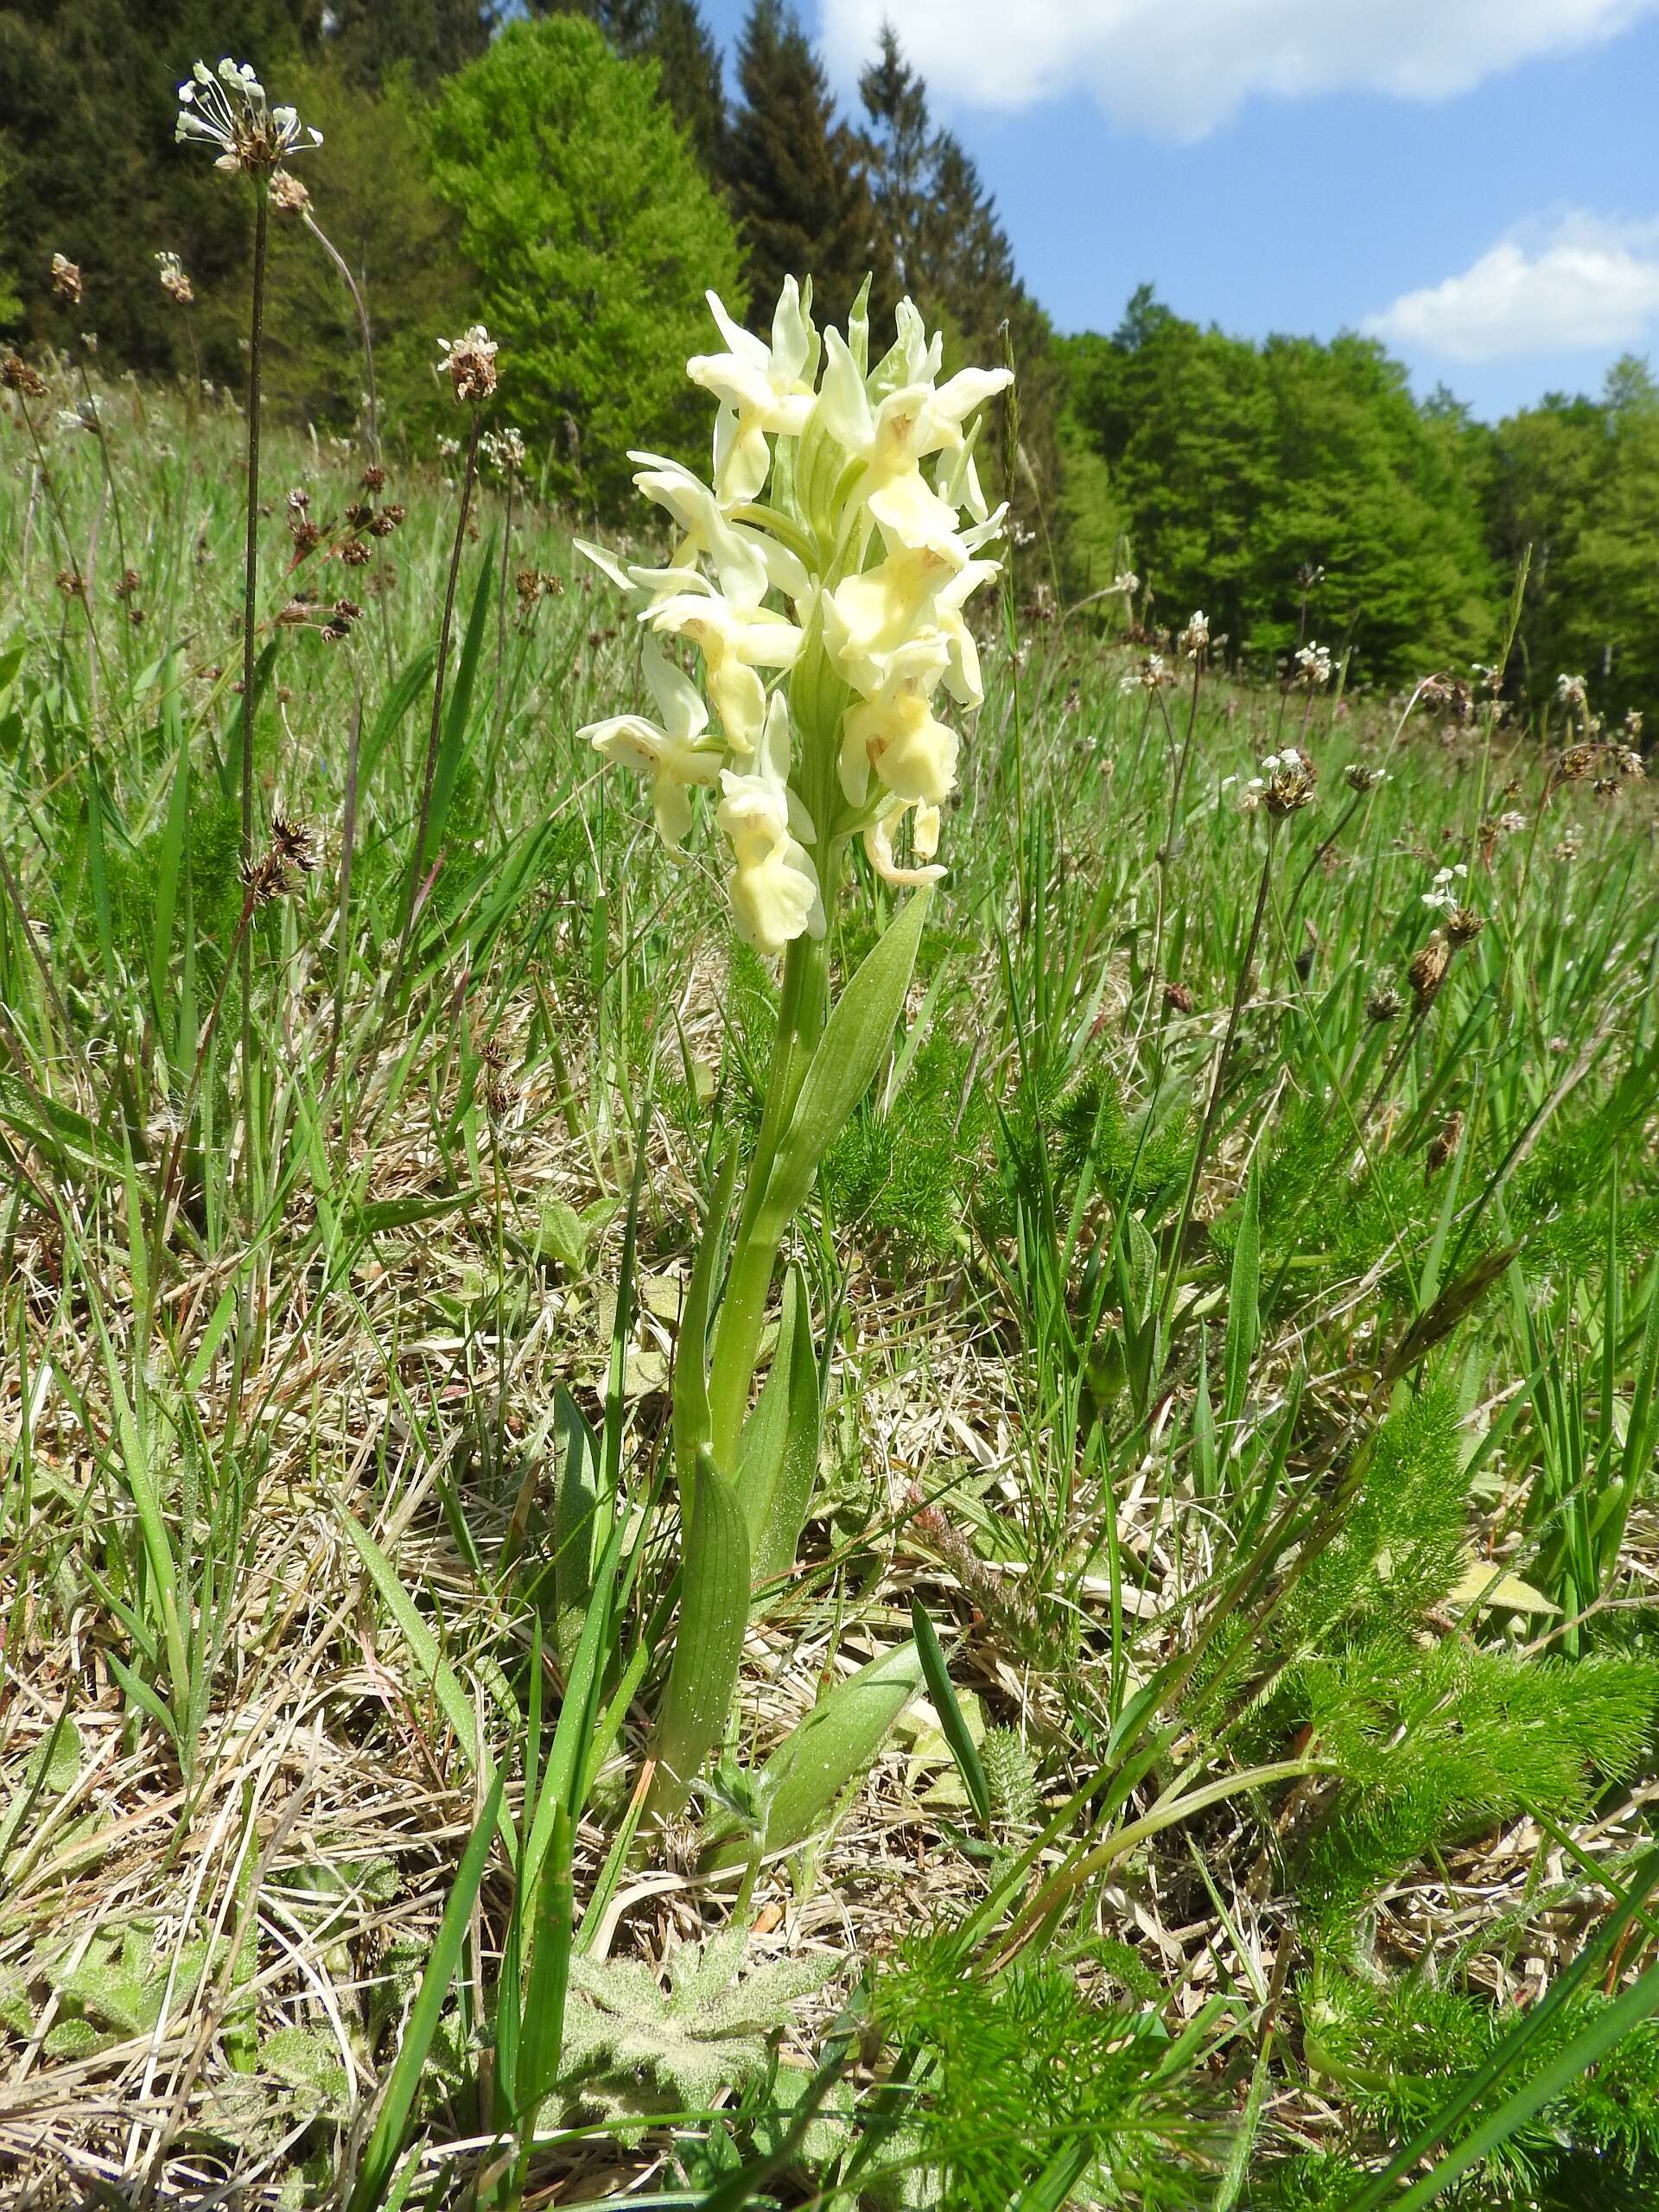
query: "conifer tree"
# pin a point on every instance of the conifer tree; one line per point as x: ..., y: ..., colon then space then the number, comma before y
x: 684, y: 48
x: 797, y: 176
x: 950, y: 252
x: 371, y: 40
x: 895, y: 100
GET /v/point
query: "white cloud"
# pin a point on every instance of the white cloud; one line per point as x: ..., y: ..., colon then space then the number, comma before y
x: 1582, y: 287
x: 1178, y: 67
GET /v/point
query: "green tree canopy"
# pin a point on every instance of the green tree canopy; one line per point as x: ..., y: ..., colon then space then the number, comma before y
x: 1252, y: 474
x: 374, y: 199
x: 672, y: 33
x: 1575, y: 481
x: 593, y: 234
x: 372, y: 42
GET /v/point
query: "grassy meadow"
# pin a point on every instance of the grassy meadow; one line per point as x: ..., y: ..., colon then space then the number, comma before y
x: 1236, y: 1303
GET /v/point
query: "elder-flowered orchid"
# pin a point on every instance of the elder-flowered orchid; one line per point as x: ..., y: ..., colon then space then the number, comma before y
x: 761, y: 389
x: 828, y: 606
x: 227, y: 108
x: 893, y: 438
x: 913, y: 592
x: 826, y: 599
x: 737, y: 639
x: 670, y: 753
x: 896, y: 734
x: 774, y: 887
x: 733, y: 550
x: 924, y: 841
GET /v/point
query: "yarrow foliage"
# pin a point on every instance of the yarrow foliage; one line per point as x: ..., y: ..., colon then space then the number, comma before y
x: 227, y: 108
x: 824, y: 580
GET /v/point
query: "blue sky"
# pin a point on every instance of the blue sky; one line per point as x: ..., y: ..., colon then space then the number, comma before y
x: 1471, y: 179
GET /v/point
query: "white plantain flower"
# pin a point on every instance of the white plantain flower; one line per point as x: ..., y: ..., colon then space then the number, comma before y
x: 227, y: 109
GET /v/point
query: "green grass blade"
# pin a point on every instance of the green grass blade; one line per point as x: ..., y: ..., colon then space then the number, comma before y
x: 387, y: 2141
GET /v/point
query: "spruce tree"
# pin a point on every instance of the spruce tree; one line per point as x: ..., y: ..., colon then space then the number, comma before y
x: 797, y: 176
x: 895, y: 100
x: 369, y: 41
x: 683, y: 49
x: 951, y: 253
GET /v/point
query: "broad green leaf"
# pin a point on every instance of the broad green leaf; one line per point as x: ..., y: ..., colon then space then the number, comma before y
x: 375, y: 1217
x: 714, y: 1614
x: 415, y: 679
x: 833, y: 1746
x: 778, y: 1460
x: 549, y: 1973
x: 859, y: 1030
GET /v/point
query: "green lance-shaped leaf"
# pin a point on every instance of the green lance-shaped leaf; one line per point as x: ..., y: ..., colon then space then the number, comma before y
x: 714, y: 1614
x: 952, y: 1719
x: 693, y: 1427
x: 1243, y: 1305
x: 458, y: 726
x: 778, y: 1460
x: 857, y: 1033
x: 575, y: 1526
x: 836, y: 1744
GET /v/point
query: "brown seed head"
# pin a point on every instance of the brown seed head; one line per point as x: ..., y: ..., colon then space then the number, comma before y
x: 287, y: 196
x: 265, y: 878
x: 1290, y: 786
x: 374, y: 478
x: 355, y: 554
x: 1427, y: 970
x: 65, y: 279
x: 175, y: 282
x: 470, y: 363
x: 1464, y: 925
x: 1576, y: 763
x: 1178, y: 998
x: 17, y: 376
x: 1384, y: 1004
x: 294, y: 842
x: 1444, y: 1143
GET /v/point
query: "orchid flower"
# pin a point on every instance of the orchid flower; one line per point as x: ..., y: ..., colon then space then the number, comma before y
x: 668, y: 751
x: 761, y: 389
x: 774, y: 886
